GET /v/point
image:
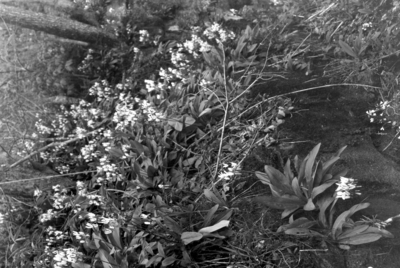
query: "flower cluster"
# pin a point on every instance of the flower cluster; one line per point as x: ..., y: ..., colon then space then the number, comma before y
x: 59, y: 197
x: 385, y: 114
x: 101, y: 91
x: 80, y: 236
x: 48, y: 215
x: 344, y: 187
x: 110, y: 170
x: 366, y: 26
x: 65, y: 257
x: 229, y: 171
x: 54, y: 236
x: 216, y: 32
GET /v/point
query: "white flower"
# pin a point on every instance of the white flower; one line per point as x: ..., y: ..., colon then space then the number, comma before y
x: 344, y: 187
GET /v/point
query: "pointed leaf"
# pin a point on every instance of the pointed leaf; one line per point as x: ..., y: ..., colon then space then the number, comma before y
x: 360, y: 239
x: 303, y: 232
x: 323, y: 203
x: 278, y: 180
x: 210, y: 215
x: 356, y: 230
x: 215, y: 227
x: 172, y: 225
x: 288, y: 202
x: 189, y: 237
x: 309, y: 166
x: 318, y: 174
x: 288, y: 212
x: 287, y: 171
x: 337, y: 226
x: 298, y: 223
x: 169, y: 260
x: 346, y: 48
x: 212, y: 197
x: 339, y: 174
x: 309, y: 206
x: 320, y: 189
x: 329, y: 164
x: 297, y: 190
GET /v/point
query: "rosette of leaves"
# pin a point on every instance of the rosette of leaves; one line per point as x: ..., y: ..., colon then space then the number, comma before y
x: 343, y: 231
x: 290, y: 192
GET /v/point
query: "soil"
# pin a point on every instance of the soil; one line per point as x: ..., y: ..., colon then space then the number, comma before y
x: 336, y: 117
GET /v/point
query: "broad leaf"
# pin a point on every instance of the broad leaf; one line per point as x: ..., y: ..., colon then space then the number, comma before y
x: 287, y: 202
x: 172, y: 225
x: 337, y: 226
x: 346, y: 48
x: 288, y: 212
x: 309, y: 206
x: 210, y: 215
x: 356, y: 230
x: 189, y: 237
x: 318, y: 174
x: 278, y: 180
x: 287, y: 171
x: 215, y: 227
x: 297, y: 190
x: 360, y: 239
x: 216, y: 198
x: 303, y: 232
x: 320, y: 189
x: 323, y: 203
x: 309, y: 166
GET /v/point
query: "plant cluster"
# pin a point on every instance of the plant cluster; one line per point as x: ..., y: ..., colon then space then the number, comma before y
x: 142, y: 162
x: 316, y: 189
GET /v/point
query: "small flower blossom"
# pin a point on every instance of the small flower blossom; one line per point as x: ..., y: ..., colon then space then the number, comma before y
x: 344, y: 187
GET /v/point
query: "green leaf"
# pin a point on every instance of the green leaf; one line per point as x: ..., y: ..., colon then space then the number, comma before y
x: 189, y: 237
x: 189, y: 121
x: 215, y: 227
x: 106, y: 259
x: 360, y: 239
x: 210, y: 215
x: 297, y: 190
x: 337, y: 226
x: 303, y: 232
x: 287, y: 171
x: 214, y: 198
x: 288, y: 212
x: 263, y: 177
x: 346, y: 48
x: 320, y: 189
x: 176, y: 124
x: 318, y: 175
x: 356, y: 230
x: 298, y: 223
x: 169, y: 260
x: 323, y: 203
x: 279, y: 180
x: 287, y: 202
x: 309, y: 166
x: 309, y: 206
x: 80, y: 265
x: 172, y: 225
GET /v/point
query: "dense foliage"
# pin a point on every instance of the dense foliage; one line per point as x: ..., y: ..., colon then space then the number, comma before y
x: 153, y: 133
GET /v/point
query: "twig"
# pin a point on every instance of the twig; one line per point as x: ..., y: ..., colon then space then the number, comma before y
x: 53, y: 144
x: 387, y: 146
x: 48, y: 177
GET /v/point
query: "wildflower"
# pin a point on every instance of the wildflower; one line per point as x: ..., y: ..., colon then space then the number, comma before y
x: 344, y: 187
x: 229, y: 171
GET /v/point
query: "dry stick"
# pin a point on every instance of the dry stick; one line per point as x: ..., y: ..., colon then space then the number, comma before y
x: 224, y: 122
x: 61, y: 144
x: 48, y: 177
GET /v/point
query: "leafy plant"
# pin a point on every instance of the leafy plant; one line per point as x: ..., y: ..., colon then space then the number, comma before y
x: 343, y: 231
x: 291, y: 192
